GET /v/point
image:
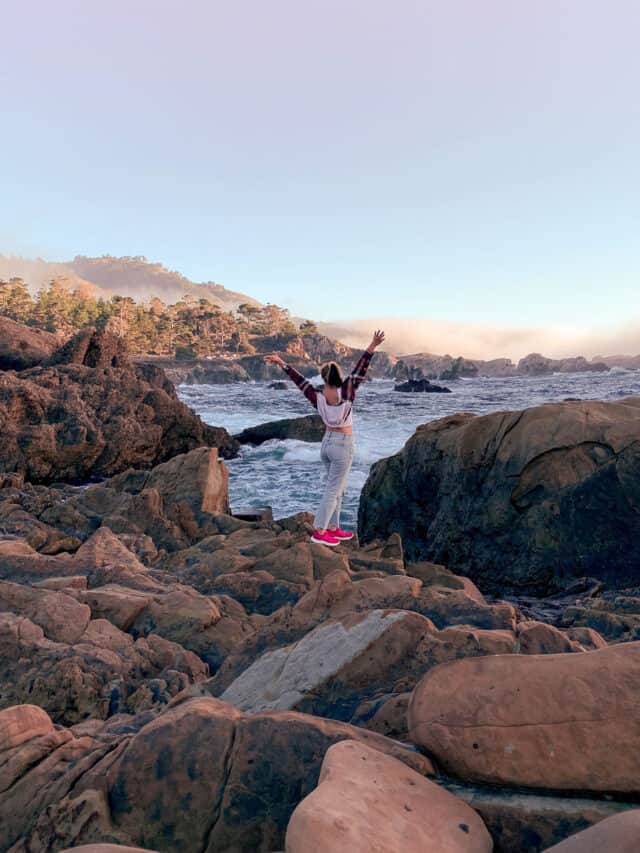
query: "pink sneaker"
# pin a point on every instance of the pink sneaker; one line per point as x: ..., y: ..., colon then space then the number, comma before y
x: 340, y: 534
x: 324, y: 538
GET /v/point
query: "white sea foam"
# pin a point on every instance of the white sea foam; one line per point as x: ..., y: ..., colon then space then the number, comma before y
x: 288, y: 475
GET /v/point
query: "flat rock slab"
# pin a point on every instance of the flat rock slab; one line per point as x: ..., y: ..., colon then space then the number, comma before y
x: 280, y: 679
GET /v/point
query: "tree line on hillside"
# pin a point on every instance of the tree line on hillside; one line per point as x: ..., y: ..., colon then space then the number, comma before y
x: 186, y: 329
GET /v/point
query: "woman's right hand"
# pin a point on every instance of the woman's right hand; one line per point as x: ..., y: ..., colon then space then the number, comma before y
x: 274, y: 359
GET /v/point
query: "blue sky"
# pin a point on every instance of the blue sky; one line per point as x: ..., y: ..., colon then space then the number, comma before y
x: 457, y: 162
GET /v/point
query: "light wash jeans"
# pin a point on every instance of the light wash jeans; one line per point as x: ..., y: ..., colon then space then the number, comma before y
x: 337, y: 455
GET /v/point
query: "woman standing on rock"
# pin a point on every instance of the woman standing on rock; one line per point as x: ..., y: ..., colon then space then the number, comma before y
x: 335, y: 406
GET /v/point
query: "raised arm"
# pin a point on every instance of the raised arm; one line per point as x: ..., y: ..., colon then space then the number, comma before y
x: 303, y: 384
x: 356, y: 378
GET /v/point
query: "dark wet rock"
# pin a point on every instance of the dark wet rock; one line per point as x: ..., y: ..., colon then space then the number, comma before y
x: 421, y: 385
x: 253, y: 513
x: 519, y: 821
x: 307, y: 428
x: 619, y: 832
x: 616, y: 618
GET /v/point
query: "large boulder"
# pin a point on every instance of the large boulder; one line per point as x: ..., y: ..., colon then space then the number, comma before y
x: 22, y: 347
x: 564, y: 722
x: 196, y: 481
x: 27, y: 739
x: 368, y: 802
x: 518, y: 501
x: 72, y: 420
x: 339, y: 593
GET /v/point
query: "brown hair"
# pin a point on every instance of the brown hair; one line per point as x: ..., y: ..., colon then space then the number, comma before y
x: 332, y: 374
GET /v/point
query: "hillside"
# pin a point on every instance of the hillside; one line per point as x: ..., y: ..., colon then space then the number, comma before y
x: 164, y: 314
x: 135, y: 277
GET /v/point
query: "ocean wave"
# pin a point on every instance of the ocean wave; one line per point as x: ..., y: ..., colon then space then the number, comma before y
x: 289, y: 476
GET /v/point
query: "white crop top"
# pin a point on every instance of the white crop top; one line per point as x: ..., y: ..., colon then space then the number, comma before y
x: 340, y: 415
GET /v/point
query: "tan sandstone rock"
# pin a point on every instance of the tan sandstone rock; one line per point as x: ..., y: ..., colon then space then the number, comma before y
x: 567, y: 722
x: 367, y: 802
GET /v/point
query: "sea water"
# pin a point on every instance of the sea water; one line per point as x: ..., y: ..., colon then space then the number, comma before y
x: 288, y: 475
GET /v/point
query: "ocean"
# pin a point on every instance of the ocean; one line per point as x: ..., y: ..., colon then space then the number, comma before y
x: 288, y: 475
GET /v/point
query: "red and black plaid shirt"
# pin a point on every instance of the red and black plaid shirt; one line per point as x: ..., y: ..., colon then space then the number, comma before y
x: 349, y: 386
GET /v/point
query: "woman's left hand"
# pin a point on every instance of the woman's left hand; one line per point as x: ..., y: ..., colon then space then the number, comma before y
x: 378, y: 338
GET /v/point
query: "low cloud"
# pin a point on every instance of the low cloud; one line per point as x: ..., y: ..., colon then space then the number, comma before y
x: 406, y: 337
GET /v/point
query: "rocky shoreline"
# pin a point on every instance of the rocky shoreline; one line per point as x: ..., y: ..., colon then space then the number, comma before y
x: 307, y: 355
x: 175, y: 678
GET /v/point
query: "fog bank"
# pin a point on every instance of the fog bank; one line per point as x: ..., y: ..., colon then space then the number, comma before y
x: 406, y: 337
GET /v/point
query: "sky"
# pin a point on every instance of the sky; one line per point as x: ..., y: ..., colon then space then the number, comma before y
x: 462, y: 166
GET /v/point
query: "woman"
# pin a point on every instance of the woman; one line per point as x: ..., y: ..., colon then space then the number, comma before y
x: 335, y: 406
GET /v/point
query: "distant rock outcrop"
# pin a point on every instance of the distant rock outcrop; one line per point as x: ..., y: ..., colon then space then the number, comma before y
x: 202, y: 371
x: 413, y: 386
x: 519, y: 500
x: 535, y: 364
x: 448, y: 368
